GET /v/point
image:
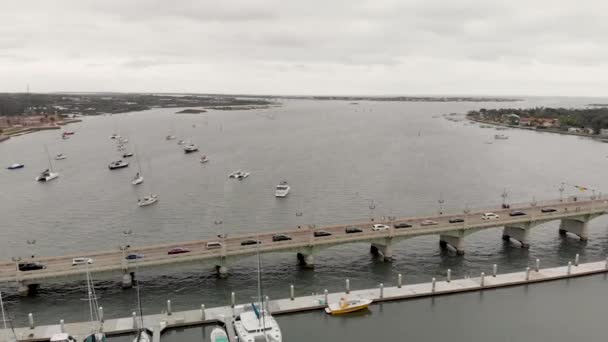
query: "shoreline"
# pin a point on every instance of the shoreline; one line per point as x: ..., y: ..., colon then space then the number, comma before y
x: 28, y: 130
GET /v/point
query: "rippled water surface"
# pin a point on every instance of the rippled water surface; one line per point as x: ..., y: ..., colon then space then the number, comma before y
x: 337, y: 157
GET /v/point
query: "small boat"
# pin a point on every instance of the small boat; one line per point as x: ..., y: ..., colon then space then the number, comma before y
x: 48, y: 174
x: 170, y: 137
x: 240, y: 175
x: 147, y: 200
x: 138, y: 179
x: 501, y: 137
x: 181, y: 142
x: 62, y: 337
x: 114, y: 136
x: 119, y: 164
x: 123, y: 140
x: 15, y: 166
x: 127, y: 154
x: 346, y: 306
x: 204, y: 159
x: 282, y: 189
x: 190, y: 148
x: 218, y: 334
x: 60, y: 156
x: 68, y: 133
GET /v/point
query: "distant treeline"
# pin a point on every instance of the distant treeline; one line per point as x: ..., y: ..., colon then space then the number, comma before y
x: 596, y: 118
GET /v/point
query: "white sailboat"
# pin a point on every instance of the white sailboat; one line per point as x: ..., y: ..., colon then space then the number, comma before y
x: 143, y: 335
x: 257, y: 324
x: 96, y: 334
x: 139, y: 178
x: 48, y: 174
x: 9, y: 337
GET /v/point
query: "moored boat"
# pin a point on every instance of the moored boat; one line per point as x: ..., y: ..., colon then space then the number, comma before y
x: 204, y: 159
x: 127, y: 154
x: 170, y: 137
x: 240, y: 175
x: 346, y: 306
x: 501, y: 137
x: 60, y: 156
x: 119, y: 164
x: 15, y: 166
x: 151, y: 199
x: 190, y: 148
x: 282, y: 190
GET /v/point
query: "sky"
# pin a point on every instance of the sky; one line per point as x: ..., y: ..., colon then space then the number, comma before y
x: 312, y: 47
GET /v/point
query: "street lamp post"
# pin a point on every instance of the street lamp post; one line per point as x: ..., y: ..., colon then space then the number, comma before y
x: 31, y: 244
x: 466, y: 212
x: 504, y: 196
x: 16, y: 261
x: 440, y: 201
x: 371, y: 206
x: 561, y: 192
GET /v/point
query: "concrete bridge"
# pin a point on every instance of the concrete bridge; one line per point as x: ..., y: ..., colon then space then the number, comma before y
x: 452, y: 229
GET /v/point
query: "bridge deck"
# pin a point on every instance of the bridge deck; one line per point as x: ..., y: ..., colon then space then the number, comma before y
x: 156, y: 255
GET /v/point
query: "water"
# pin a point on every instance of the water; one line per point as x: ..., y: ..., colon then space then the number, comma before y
x: 337, y: 157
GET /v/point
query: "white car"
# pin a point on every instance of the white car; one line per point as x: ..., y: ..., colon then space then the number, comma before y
x: 489, y: 216
x: 213, y: 245
x: 428, y: 223
x: 378, y: 227
x: 81, y: 261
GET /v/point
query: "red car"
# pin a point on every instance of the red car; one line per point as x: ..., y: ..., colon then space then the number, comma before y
x: 178, y: 250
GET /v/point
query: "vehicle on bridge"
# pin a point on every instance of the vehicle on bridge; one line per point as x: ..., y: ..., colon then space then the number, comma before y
x: 178, y: 250
x: 428, y: 223
x: 81, y: 261
x: 548, y: 210
x: 213, y: 245
x: 280, y: 237
x: 378, y: 227
x: 489, y: 216
x: 402, y: 225
x: 517, y: 213
x: 320, y: 233
x: 134, y: 256
x: 31, y: 266
x: 250, y: 242
x: 456, y: 220
x: 351, y: 230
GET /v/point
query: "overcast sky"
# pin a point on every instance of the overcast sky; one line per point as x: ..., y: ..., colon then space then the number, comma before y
x: 375, y: 47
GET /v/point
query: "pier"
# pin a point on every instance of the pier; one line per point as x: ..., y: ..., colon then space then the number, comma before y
x: 451, y: 229
x: 398, y: 291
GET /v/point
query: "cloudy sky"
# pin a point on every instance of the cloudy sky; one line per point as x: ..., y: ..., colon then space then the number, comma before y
x: 375, y: 47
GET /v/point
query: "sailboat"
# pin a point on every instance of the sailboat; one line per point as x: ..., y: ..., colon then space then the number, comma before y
x: 218, y: 334
x: 48, y: 174
x: 139, y: 178
x: 257, y: 324
x: 97, y: 334
x: 9, y: 338
x: 143, y: 335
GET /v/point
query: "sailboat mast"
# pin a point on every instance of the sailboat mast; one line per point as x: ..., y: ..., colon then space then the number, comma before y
x: 260, y: 294
x: 2, y: 308
x: 48, y: 157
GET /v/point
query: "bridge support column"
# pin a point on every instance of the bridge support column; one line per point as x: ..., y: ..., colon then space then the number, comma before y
x: 456, y: 242
x: 577, y: 227
x: 222, y: 268
x: 517, y: 233
x: 24, y: 289
x: 306, y: 259
x: 127, y: 280
x: 384, y: 250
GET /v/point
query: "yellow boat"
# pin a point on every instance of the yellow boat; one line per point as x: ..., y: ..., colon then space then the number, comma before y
x: 345, y: 306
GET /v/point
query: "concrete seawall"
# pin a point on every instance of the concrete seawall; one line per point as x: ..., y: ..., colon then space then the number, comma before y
x: 399, y: 291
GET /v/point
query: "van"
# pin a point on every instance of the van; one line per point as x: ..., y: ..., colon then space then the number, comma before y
x: 213, y: 245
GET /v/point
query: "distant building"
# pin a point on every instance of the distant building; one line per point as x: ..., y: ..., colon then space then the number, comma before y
x: 513, y: 119
x: 588, y: 130
x: 574, y: 130
x: 539, y: 122
x: 604, y: 131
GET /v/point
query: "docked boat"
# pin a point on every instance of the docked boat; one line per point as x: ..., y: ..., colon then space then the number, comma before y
x: 204, y: 159
x: 218, y: 334
x: 148, y: 200
x: 190, y: 148
x: 143, y: 335
x: 119, y: 164
x: 346, y: 306
x: 181, y: 142
x: 240, y: 175
x: 15, y: 166
x: 60, y: 156
x: 127, y: 154
x: 170, y: 137
x: 282, y: 189
x: 501, y: 137
x: 62, y: 337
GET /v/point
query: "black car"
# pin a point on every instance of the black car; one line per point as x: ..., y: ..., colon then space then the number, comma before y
x: 350, y: 230
x: 250, y: 242
x: 280, y: 237
x: 31, y: 266
x: 320, y: 233
x: 456, y: 220
x: 517, y: 213
x: 402, y: 225
x: 548, y: 210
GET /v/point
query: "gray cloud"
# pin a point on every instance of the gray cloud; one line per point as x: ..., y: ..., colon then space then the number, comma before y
x: 311, y: 47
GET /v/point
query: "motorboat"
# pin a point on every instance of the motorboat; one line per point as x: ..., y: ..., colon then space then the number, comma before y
x: 190, y: 148
x: 15, y: 166
x: 257, y: 325
x: 346, y: 306
x: 47, y: 175
x: 114, y: 136
x: 181, y: 142
x: 62, y: 337
x: 204, y: 159
x: 127, y: 154
x: 68, y: 133
x: 240, y: 175
x: 119, y: 164
x: 501, y: 137
x: 147, y: 200
x: 138, y: 179
x: 170, y: 137
x: 282, y: 189
x: 60, y: 156
x: 218, y: 334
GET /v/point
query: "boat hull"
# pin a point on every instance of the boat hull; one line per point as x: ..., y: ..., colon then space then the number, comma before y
x: 118, y: 166
x: 15, y: 166
x: 138, y: 181
x: 48, y: 178
x: 336, y: 309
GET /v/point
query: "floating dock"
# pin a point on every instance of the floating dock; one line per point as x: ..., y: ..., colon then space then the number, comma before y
x: 445, y: 286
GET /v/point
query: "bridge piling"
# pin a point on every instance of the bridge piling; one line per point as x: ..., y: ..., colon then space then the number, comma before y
x: 578, y: 226
x: 537, y: 265
x: 433, y: 285
x: 291, y: 292
x: 494, y: 270
x: 326, y: 295
x: 381, y: 290
x: 30, y: 320
x: 400, y: 278
x: 457, y: 242
x: 569, y: 267
x: 347, y: 285
x: 520, y: 233
x: 135, y: 325
x: 100, y: 312
x: 448, y: 277
x: 62, y: 326
x: 127, y: 280
x: 576, y: 259
x: 169, y: 307
x: 482, y: 279
x: 202, y: 312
